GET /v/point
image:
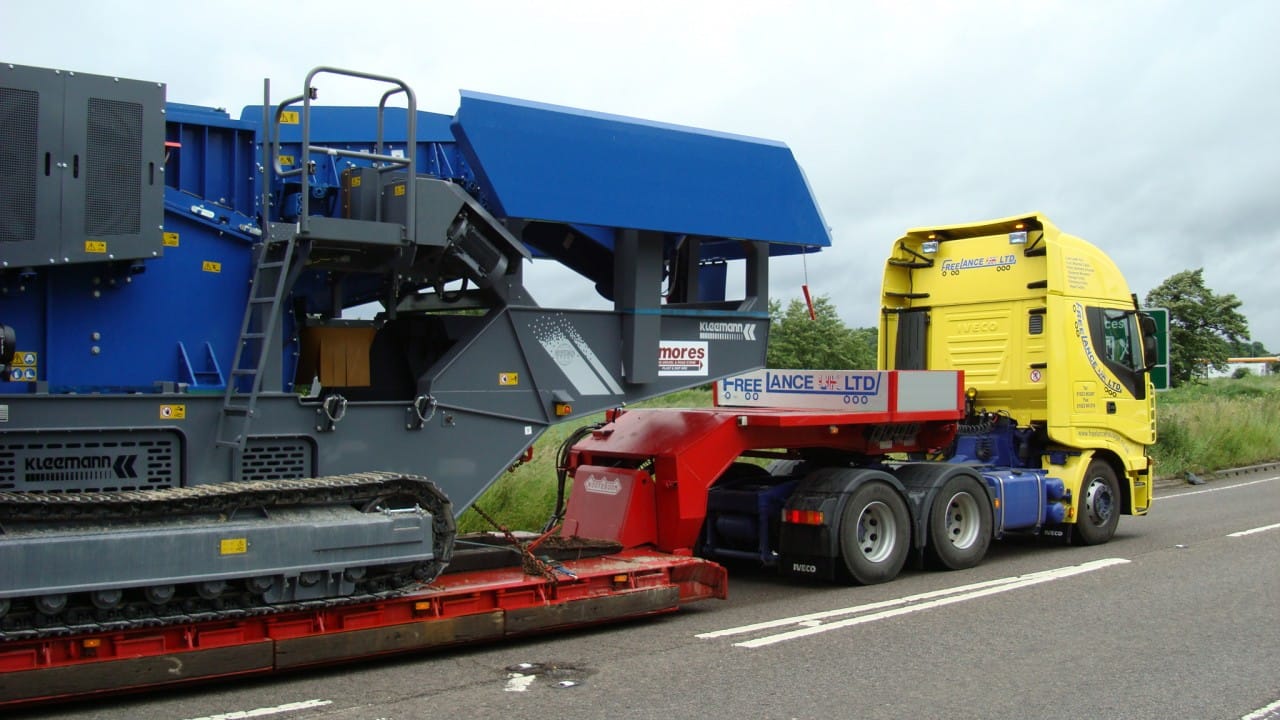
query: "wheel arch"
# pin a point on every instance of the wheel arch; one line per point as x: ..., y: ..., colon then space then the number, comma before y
x: 1125, y: 480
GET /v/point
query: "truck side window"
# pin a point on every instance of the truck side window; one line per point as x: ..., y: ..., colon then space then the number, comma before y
x: 1119, y: 332
x: 1117, y: 341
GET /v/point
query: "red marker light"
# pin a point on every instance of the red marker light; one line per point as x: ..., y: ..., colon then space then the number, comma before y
x: 802, y: 517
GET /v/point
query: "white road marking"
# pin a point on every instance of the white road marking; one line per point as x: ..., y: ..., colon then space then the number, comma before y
x: 519, y: 682
x: 1264, y: 713
x: 1264, y: 528
x: 264, y: 711
x: 1215, y: 489
x: 814, y: 619
x: 903, y: 606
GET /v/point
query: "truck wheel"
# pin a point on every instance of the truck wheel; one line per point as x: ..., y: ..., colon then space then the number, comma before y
x: 1098, y: 507
x: 959, y: 524
x: 875, y: 532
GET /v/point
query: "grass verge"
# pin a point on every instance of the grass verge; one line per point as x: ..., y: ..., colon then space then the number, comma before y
x: 523, y: 499
x: 1222, y: 423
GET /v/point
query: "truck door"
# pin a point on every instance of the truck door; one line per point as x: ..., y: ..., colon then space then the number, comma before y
x: 1118, y: 400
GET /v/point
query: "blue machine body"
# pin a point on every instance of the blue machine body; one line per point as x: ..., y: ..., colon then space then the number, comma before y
x: 142, y: 325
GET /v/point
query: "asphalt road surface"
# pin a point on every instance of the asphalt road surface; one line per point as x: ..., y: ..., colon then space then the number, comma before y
x: 1177, y: 617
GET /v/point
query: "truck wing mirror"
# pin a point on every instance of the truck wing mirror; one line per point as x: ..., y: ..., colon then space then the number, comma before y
x: 1150, y: 356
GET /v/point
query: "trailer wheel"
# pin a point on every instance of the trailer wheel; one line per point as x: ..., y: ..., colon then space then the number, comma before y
x: 1098, y: 507
x: 875, y: 531
x: 959, y: 524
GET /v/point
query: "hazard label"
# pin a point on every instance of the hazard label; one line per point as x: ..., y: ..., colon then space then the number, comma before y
x: 508, y: 378
x: 24, y: 368
x: 173, y: 412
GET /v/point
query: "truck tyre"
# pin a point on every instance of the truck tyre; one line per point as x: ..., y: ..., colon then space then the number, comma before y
x: 959, y: 524
x: 875, y: 534
x: 1098, y: 507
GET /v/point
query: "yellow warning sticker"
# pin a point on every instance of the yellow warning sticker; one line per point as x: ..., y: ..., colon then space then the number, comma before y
x: 289, y: 117
x: 398, y: 191
x: 171, y: 239
x: 286, y: 160
x: 173, y: 412
x: 233, y: 546
x: 508, y: 378
x: 23, y: 368
x: 95, y: 246
x: 211, y: 266
x: 355, y: 181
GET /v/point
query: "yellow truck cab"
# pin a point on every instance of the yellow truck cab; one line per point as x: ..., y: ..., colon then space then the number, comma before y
x: 1054, y: 351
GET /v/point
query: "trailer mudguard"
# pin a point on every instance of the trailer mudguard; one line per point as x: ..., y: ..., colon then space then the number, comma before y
x: 814, y: 550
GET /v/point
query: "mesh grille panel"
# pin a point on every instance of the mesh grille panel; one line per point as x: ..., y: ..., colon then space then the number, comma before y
x: 6, y: 469
x: 19, y: 117
x: 113, y: 168
x: 115, y: 462
x: 276, y: 459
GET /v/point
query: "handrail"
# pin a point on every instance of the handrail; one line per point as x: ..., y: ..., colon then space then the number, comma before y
x: 410, y: 150
x: 275, y: 140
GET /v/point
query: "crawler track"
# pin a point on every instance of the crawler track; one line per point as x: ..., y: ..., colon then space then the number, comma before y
x: 371, y: 491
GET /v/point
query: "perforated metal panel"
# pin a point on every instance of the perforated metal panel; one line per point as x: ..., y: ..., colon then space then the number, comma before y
x: 19, y: 118
x: 277, y: 459
x: 96, y: 462
x: 113, y: 168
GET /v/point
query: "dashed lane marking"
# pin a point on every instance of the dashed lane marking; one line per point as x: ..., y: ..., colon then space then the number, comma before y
x: 1237, y: 486
x: 1253, y: 531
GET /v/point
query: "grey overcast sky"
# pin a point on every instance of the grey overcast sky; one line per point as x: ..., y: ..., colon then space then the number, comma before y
x: 1149, y: 128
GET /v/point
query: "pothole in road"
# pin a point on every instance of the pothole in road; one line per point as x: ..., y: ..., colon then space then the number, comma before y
x: 523, y: 676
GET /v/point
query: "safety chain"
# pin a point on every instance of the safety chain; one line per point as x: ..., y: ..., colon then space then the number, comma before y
x: 530, y: 563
